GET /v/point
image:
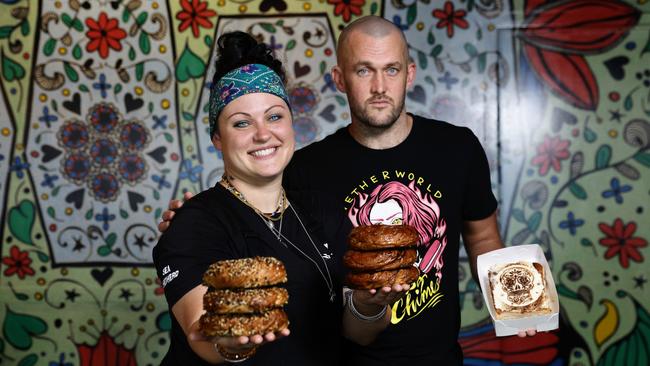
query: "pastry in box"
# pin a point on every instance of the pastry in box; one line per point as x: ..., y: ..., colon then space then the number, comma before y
x: 518, y: 289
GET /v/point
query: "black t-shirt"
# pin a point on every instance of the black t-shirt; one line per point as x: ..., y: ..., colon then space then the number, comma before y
x: 215, y: 225
x: 434, y: 180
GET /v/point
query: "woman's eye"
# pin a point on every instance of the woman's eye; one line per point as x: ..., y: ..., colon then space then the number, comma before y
x: 396, y: 221
x: 274, y: 117
x: 241, y: 124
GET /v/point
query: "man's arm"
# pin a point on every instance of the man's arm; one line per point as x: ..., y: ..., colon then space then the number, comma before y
x: 481, y: 236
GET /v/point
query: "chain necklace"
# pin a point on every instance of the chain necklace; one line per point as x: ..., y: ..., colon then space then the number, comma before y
x: 278, y: 231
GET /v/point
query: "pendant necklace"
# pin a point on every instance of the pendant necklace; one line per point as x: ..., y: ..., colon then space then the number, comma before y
x: 278, y: 215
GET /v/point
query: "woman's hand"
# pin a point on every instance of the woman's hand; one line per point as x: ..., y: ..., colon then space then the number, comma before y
x: 386, y: 295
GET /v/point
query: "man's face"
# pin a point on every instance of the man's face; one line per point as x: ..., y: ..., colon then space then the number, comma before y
x: 374, y: 73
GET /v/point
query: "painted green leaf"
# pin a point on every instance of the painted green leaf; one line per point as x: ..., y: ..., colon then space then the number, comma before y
x: 49, y: 46
x: 125, y: 15
x: 5, y: 31
x: 470, y: 49
x: 76, y: 24
x: 435, y: 51
x: 643, y: 158
x: 534, y: 220
x: 482, y: 61
x: 603, y: 155
x: 518, y: 215
x: 24, y: 28
x: 139, y: 71
x: 373, y: 8
x: 76, y: 52
x: 431, y: 39
x: 19, y: 329
x: 145, y: 44
x: 340, y: 100
x: 578, y: 191
x: 168, y: 137
x: 412, y: 13
x: 124, y: 214
x: 70, y: 72
x: 67, y: 20
x: 51, y: 212
x: 150, y: 107
x: 110, y: 239
x: 634, y: 348
x: 188, y: 116
x: 156, y: 195
x: 141, y: 18
x: 189, y: 66
x: 131, y: 53
x: 21, y: 221
x: 89, y: 214
x: 11, y: 69
x: 43, y: 257
x: 590, y: 135
x: 322, y: 67
x: 29, y: 360
x: 104, y: 251
x: 628, y: 104
x: 562, y: 290
x: 586, y: 242
x: 207, y: 40
x: 422, y: 58
x: 291, y: 44
x: 268, y: 27
x: 158, y: 213
x: 479, y: 34
x: 83, y: 88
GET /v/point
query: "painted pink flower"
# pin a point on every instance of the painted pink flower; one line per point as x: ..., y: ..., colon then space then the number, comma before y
x: 550, y: 153
x: 18, y: 262
x: 620, y: 241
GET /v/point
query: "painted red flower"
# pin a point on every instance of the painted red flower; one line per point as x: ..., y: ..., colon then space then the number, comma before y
x: 620, y: 241
x: 106, y: 353
x: 195, y: 14
x: 448, y: 18
x: 347, y: 7
x: 550, y: 153
x: 18, y: 262
x: 104, y: 33
x: 483, y: 347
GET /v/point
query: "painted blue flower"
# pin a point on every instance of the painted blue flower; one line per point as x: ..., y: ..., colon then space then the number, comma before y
x: 397, y: 20
x: 161, y: 180
x: 329, y: 83
x: 102, y: 85
x: 160, y: 121
x: 18, y: 166
x: 448, y: 80
x: 47, y: 118
x: 189, y: 172
x: 616, y: 190
x: 571, y: 223
x: 48, y: 180
x: 105, y: 217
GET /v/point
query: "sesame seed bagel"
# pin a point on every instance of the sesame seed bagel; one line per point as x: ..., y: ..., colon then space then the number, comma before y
x: 245, y: 273
x: 380, y: 260
x: 235, y: 325
x: 375, y: 237
x: 370, y: 280
x: 244, y: 301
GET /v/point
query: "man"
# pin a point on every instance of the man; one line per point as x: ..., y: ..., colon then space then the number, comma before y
x: 391, y: 167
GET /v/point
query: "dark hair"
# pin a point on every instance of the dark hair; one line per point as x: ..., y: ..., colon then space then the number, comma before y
x: 236, y: 49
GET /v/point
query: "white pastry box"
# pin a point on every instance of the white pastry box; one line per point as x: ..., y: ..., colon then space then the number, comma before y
x: 529, y: 253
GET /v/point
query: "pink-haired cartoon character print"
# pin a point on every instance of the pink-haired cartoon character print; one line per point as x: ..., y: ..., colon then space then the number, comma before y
x: 395, y: 203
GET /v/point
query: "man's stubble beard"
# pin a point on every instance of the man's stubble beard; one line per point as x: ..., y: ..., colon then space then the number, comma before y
x: 365, y: 119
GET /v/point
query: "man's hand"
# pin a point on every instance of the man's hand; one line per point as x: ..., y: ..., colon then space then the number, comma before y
x: 370, y: 302
x: 168, y: 215
x: 526, y: 333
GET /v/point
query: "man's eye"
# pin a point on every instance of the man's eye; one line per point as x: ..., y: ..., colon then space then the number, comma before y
x: 392, y: 71
x: 362, y: 72
x: 396, y: 221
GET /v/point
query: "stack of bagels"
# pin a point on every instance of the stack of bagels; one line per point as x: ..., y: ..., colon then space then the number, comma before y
x: 381, y: 255
x: 243, y: 299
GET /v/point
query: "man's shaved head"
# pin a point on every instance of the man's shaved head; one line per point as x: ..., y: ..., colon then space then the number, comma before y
x: 373, y: 26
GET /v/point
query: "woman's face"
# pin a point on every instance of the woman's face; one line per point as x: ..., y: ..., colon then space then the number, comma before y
x: 386, y: 213
x: 255, y: 137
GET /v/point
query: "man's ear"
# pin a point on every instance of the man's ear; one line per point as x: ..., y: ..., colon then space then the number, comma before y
x: 410, y: 74
x: 337, y: 76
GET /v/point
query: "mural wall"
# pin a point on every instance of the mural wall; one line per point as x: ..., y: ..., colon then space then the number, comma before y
x: 103, y: 119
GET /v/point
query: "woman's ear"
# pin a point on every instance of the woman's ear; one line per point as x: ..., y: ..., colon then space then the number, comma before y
x: 216, y: 141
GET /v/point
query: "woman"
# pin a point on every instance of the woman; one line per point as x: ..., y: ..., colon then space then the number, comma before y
x: 248, y: 214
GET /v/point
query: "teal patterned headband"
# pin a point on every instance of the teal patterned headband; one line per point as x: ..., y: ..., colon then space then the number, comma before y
x: 251, y: 78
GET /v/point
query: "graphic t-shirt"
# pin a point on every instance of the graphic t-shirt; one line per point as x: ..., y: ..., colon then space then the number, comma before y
x: 214, y: 225
x: 434, y: 180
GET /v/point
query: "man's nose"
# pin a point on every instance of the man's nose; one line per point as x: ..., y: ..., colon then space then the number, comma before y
x: 378, y: 84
